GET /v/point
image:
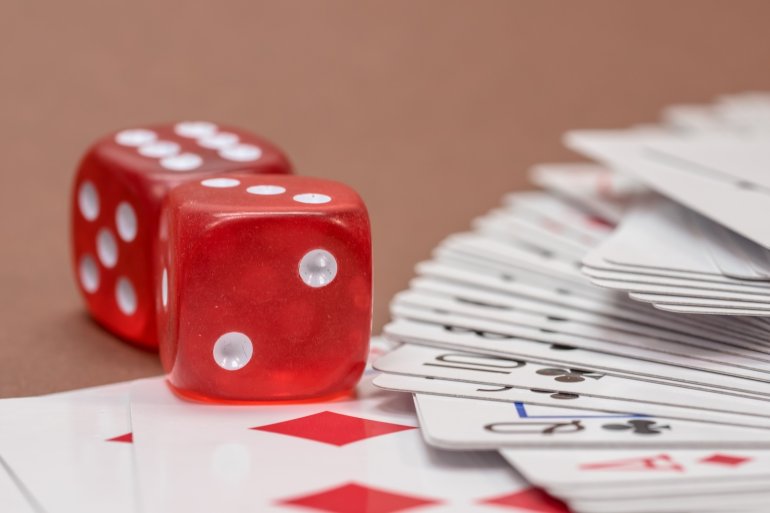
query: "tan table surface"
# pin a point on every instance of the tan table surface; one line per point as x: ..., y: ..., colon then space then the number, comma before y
x: 431, y: 109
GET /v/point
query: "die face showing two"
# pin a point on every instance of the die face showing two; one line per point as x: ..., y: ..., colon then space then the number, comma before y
x: 265, y: 291
x: 116, y: 203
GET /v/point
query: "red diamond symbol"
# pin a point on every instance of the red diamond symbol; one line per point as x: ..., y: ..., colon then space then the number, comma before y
x: 333, y: 428
x: 354, y: 498
x: 127, y: 438
x: 531, y: 499
x: 725, y: 459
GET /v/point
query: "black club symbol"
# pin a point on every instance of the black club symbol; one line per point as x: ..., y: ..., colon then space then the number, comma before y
x: 561, y: 347
x: 554, y: 393
x: 570, y: 375
x: 638, y: 427
x: 479, y: 333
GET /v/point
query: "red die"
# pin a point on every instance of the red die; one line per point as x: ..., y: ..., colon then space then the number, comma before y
x: 266, y: 288
x: 117, y: 196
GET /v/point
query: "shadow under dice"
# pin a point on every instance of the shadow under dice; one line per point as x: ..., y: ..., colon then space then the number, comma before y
x: 117, y: 196
x: 265, y: 289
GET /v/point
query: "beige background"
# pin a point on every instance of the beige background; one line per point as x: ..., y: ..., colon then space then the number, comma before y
x: 431, y: 109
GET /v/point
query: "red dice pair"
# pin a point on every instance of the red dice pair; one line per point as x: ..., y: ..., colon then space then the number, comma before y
x: 256, y: 285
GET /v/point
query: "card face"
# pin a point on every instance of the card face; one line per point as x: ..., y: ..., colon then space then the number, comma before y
x: 555, y: 330
x: 612, y: 472
x: 505, y: 226
x: 743, y: 159
x: 14, y: 495
x: 687, y: 293
x: 727, y: 367
x: 516, y: 283
x: 554, y: 265
x: 594, y: 260
x: 558, y: 216
x: 594, y: 187
x: 688, y: 283
x: 708, y: 194
x: 664, y: 299
x: 736, y: 502
x: 443, y: 333
x: 709, y: 310
x: 521, y: 397
x: 487, y: 377
x: 44, y: 439
x: 556, y: 313
x: 696, y: 118
x: 490, y: 425
x: 658, y: 233
x: 363, y: 452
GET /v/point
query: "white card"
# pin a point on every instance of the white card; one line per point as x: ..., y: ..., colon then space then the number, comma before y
x: 556, y: 313
x: 14, y: 496
x: 520, y: 284
x: 725, y: 201
x: 592, y: 470
x: 361, y: 452
x: 491, y: 425
x: 507, y: 379
x: 729, y: 369
x: 553, y: 330
x: 521, y: 398
x: 43, y: 439
x: 595, y: 187
x: 442, y: 333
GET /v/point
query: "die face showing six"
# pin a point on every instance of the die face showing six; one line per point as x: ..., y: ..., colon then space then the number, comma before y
x: 116, y: 200
x: 268, y: 288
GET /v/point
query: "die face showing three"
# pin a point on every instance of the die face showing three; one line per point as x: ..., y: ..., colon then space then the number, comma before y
x: 116, y: 203
x: 265, y: 290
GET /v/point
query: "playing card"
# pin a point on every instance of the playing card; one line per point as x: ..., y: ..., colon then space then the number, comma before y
x: 558, y: 216
x: 660, y: 297
x: 627, y: 469
x: 504, y: 302
x: 354, y: 454
x: 555, y: 399
x: 428, y: 370
x: 744, y: 299
x: 695, y: 118
x: 739, y: 158
x: 596, y: 188
x: 442, y: 332
x: 555, y: 330
x: 594, y: 260
x: 14, y: 495
x: 658, y: 233
x: 500, y: 336
x: 71, y: 451
x: 492, y: 425
x: 725, y: 200
x: 690, y: 282
x: 520, y: 284
x: 738, y: 502
x: 504, y: 226
x: 748, y: 111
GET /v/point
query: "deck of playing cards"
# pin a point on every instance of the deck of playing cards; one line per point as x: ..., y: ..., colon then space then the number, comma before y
x: 609, y: 336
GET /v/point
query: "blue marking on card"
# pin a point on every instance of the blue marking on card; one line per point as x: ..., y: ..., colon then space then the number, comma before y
x: 521, y: 409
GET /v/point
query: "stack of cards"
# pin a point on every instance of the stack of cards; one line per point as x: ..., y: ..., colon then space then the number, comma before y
x: 606, y: 335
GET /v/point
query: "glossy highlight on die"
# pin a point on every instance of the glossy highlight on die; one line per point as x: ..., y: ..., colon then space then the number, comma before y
x: 116, y: 201
x: 265, y: 288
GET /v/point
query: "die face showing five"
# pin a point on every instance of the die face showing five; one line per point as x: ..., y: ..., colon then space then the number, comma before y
x: 116, y: 201
x: 267, y: 288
